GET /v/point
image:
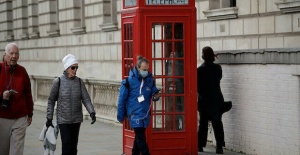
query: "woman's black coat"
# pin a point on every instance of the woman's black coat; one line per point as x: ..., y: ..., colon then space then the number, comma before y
x: 210, y: 99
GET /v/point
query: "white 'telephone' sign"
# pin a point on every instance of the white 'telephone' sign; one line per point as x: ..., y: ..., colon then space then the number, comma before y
x: 167, y: 2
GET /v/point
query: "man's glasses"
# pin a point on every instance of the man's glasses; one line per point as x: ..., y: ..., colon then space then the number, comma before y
x: 74, y: 67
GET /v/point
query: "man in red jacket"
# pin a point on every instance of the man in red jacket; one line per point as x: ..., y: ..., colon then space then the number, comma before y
x: 16, y: 105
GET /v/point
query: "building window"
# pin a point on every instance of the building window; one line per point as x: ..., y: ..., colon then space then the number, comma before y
x: 219, y: 4
x: 20, y: 19
x: 233, y: 3
x: 6, y: 21
x: 33, y: 20
x: 110, y: 21
x: 54, y: 18
x: 79, y: 17
x: 221, y: 9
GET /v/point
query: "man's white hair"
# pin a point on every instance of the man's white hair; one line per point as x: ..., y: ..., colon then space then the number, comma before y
x: 8, y: 46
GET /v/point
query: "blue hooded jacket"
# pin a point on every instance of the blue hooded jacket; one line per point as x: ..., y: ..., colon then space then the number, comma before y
x: 128, y: 105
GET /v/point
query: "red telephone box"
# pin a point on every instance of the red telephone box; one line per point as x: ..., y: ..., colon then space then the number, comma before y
x: 164, y: 31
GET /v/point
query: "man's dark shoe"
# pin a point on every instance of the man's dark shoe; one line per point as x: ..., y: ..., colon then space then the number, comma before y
x: 219, y: 150
x: 200, y: 149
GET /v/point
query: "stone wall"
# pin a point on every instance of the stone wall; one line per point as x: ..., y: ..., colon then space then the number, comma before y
x: 265, y: 116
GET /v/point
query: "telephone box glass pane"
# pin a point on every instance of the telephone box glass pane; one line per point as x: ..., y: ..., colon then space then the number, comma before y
x: 128, y: 49
x: 157, y: 115
x: 179, y: 30
x: 174, y: 67
x: 168, y: 104
x: 178, y: 68
x: 167, y: 49
x: 156, y: 32
x: 179, y: 122
x: 168, y: 31
x: 178, y: 50
x: 179, y: 85
x: 157, y: 68
x: 179, y: 103
x: 156, y: 50
x: 170, y: 86
x: 127, y: 66
x: 168, y: 113
x: 128, y: 31
x: 125, y: 32
x: 169, y: 123
x: 157, y: 122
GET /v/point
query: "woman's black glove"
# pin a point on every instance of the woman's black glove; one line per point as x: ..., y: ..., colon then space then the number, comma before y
x: 93, y: 116
x: 49, y: 123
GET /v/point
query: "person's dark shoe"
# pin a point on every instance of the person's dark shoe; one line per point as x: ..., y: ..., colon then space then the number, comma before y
x: 200, y: 149
x: 219, y: 150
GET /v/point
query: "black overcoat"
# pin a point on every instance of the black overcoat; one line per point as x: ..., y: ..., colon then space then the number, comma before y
x: 210, y: 98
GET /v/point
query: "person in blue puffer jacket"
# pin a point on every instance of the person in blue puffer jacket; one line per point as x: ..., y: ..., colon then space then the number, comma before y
x: 135, y: 103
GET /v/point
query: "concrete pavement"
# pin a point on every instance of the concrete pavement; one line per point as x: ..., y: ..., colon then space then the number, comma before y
x: 97, y: 139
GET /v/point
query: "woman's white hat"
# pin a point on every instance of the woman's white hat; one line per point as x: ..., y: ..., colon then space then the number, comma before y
x: 69, y: 60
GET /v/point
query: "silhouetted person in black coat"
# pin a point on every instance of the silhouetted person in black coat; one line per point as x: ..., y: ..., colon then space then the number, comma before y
x: 210, y: 100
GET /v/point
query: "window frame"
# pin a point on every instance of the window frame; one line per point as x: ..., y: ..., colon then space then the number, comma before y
x: 222, y: 11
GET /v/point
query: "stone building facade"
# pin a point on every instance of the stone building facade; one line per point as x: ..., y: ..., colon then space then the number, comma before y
x: 258, y: 46
x: 47, y: 30
x: 256, y: 41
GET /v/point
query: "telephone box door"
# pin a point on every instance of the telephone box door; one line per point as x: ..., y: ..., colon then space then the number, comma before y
x: 174, y: 118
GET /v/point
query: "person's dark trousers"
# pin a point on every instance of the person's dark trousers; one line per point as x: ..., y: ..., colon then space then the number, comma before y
x: 69, y: 134
x: 140, y: 145
x: 203, y: 129
x: 219, y: 132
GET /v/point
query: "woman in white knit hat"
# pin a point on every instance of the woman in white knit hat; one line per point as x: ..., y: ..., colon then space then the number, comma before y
x: 70, y: 92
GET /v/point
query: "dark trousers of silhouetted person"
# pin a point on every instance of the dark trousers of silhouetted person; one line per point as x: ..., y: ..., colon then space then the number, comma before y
x: 203, y: 130
x: 69, y: 134
x: 140, y: 145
